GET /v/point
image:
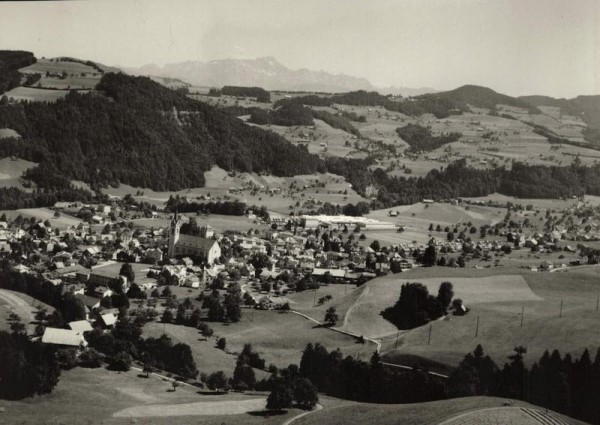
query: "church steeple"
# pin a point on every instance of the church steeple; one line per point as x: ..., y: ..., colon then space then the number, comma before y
x: 174, y: 234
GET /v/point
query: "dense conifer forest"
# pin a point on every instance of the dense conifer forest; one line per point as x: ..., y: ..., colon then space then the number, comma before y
x: 10, y: 62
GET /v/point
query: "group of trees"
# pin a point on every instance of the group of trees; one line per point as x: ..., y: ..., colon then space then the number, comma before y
x: 336, y: 121
x: 181, y: 204
x: 26, y: 367
x: 565, y: 384
x: 124, y: 343
x: 259, y: 93
x: 460, y: 180
x: 436, y: 105
x: 420, y: 138
x: 416, y: 306
x: 352, y: 379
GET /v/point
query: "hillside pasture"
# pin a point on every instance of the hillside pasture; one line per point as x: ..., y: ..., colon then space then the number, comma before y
x: 11, y: 171
x: 279, y: 338
x: 7, y: 133
x: 421, y: 215
x: 32, y: 94
x: 434, y: 412
x: 44, y: 214
x: 55, y: 66
x: 544, y: 326
x: 320, y: 187
x: 21, y: 304
x: 364, y: 316
x: 119, y: 398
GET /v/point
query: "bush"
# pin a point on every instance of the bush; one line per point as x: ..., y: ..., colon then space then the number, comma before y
x: 90, y: 358
x: 120, y: 362
x: 67, y: 358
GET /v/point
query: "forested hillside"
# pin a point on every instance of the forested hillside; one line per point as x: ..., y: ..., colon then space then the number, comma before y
x: 145, y: 135
x: 10, y: 62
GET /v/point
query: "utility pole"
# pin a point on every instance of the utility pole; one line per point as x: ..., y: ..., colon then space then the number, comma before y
x: 598, y: 300
x: 477, y: 328
x: 522, y: 315
x: 315, y: 298
x: 561, y: 307
x: 429, y: 340
x: 397, y: 336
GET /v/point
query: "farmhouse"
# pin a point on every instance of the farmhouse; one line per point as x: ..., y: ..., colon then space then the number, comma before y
x: 186, y: 245
x: 64, y: 337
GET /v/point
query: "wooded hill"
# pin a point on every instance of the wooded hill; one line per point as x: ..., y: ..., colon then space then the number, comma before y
x: 143, y: 134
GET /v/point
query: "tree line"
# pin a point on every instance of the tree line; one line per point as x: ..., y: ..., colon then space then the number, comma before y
x: 565, y: 384
x: 259, y: 93
x: 181, y: 204
x: 420, y: 138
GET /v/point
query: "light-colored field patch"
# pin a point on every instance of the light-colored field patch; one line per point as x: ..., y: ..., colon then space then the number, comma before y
x: 498, y: 415
x: 6, y: 133
x: 36, y: 95
x: 484, y: 289
x: 364, y: 317
x: 11, y: 171
x: 201, y: 408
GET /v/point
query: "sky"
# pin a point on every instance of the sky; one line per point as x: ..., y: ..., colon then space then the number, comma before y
x: 516, y: 47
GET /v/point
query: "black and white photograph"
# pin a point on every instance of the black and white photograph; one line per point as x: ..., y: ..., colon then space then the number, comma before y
x: 300, y: 212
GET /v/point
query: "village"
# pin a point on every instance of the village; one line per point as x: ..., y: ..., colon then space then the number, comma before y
x: 103, y: 259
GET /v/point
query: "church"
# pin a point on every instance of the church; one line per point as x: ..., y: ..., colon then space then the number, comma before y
x: 187, y: 245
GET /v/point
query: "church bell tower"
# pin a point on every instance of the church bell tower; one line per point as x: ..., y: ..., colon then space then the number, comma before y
x: 174, y: 234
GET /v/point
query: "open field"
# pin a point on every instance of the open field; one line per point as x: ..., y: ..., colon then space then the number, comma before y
x: 78, y: 75
x: 36, y: 95
x: 421, y: 413
x: 278, y: 337
x: 364, y: 317
x: 500, y: 321
x: 44, y: 214
x: 208, y: 358
x: 112, y: 398
x: 6, y: 133
x: 421, y: 215
x: 21, y: 304
x: 12, y: 170
x: 218, y: 183
x: 220, y: 223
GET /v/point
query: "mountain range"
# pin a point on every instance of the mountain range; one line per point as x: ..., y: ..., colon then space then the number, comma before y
x: 265, y: 72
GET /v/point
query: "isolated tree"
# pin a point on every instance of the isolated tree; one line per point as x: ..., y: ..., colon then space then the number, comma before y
x: 221, y: 343
x: 127, y: 271
x: 167, y: 316
x: 429, y: 256
x: 331, y: 316
x: 445, y: 294
x: 375, y: 246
